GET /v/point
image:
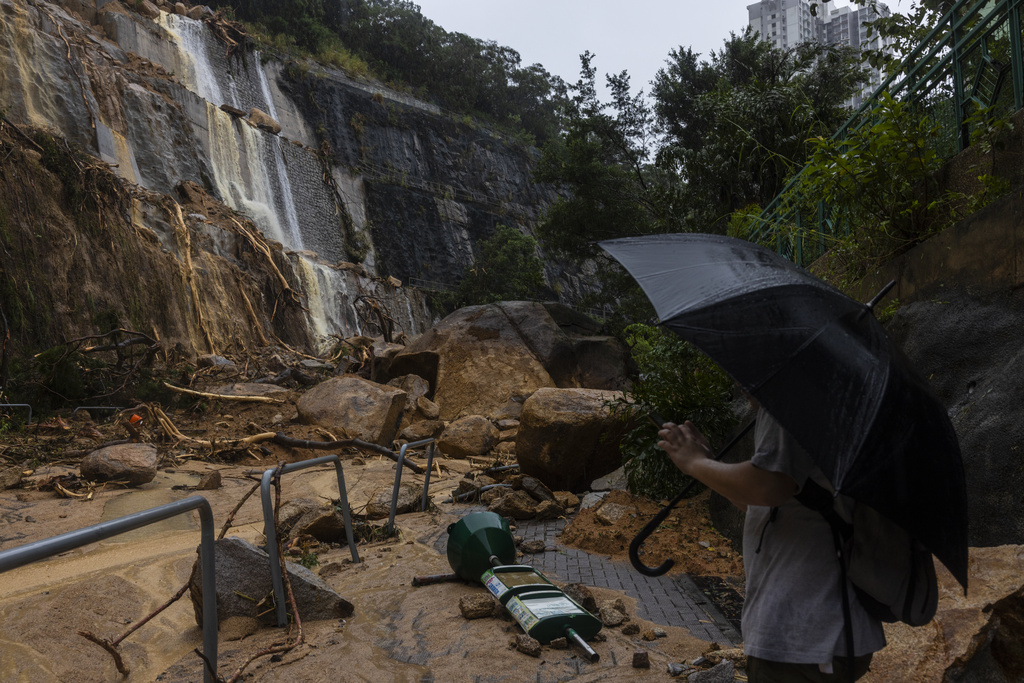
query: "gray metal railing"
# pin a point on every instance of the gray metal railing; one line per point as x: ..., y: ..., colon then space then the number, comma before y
x: 398, y: 479
x: 270, y: 529
x: 19, y: 405
x: 48, y: 547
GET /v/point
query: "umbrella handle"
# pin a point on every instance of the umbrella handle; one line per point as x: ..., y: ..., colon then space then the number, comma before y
x: 638, y: 540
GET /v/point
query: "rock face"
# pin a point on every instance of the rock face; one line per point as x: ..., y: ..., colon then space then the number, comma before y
x: 355, y: 407
x: 134, y: 463
x: 480, y: 358
x: 568, y: 437
x: 244, y: 570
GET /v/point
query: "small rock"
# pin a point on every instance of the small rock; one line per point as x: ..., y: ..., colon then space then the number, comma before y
x: 514, y: 505
x: 527, y: 645
x: 610, y: 616
x: 532, y: 547
x: 660, y: 632
x: 678, y: 669
x: 581, y: 595
x: 642, y: 660
x: 549, y: 509
x: 648, y: 635
x: 630, y: 629
x: 211, y: 360
x: 10, y: 478
x: 733, y: 654
x: 210, y: 481
x: 476, y: 606
x: 611, y: 513
x: 724, y: 672
x: 616, y: 604
x: 592, y: 499
x: 559, y: 644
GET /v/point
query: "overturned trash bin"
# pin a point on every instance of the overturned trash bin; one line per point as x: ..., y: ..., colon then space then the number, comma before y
x: 481, y: 548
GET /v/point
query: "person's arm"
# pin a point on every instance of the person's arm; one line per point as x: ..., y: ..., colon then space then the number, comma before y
x: 742, y: 483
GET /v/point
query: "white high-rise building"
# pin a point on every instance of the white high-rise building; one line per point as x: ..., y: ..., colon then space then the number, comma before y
x: 787, y: 23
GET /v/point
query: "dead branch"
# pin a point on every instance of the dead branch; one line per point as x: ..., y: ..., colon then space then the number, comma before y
x: 189, y: 272
x: 283, y: 440
x: 231, y: 515
x: 260, y: 245
x: 122, y: 668
x: 223, y: 397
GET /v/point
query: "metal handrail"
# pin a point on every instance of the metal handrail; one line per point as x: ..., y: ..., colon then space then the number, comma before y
x: 19, y: 405
x: 963, y: 34
x: 398, y: 479
x: 270, y: 529
x: 48, y: 547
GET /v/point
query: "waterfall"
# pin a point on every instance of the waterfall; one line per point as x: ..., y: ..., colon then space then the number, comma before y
x: 328, y: 300
x: 198, y: 76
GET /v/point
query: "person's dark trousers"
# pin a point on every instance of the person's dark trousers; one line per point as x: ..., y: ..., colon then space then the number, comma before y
x: 765, y: 671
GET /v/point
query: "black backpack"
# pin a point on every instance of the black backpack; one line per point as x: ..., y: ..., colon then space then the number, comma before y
x: 892, y: 574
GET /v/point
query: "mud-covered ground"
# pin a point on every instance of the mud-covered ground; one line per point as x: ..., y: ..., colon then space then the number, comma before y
x: 398, y: 632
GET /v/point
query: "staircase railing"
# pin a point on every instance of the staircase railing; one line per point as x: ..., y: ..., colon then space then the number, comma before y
x: 970, y: 62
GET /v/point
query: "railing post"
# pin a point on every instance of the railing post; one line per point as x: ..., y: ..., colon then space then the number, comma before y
x: 1016, y: 56
x: 270, y: 529
x: 40, y: 550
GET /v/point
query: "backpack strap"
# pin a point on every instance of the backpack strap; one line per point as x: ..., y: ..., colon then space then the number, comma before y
x: 816, y: 497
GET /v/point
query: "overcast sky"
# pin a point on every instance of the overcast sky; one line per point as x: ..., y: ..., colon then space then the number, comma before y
x: 634, y: 35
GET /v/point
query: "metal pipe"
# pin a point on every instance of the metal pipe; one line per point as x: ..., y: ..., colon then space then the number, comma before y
x: 270, y: 529
x: 592, y: 656
x: 398, y: 480
x: 474, y: 492
x: 114, y: 408
x: 19, y: 405
x: 39, y: 550
x: 426, y: 478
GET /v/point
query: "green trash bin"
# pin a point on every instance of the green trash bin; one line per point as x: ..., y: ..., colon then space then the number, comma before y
x: 549, y: 614
x: 474, y: 539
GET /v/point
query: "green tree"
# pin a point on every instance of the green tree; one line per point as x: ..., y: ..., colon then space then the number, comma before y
x: 508, y: 269
x: 680, y: 383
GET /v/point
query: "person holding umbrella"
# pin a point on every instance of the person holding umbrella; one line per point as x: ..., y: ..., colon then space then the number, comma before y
x: 792, y: 624
x: 840, y: 406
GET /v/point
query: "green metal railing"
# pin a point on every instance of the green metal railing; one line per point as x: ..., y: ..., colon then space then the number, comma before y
x: 971, y: 62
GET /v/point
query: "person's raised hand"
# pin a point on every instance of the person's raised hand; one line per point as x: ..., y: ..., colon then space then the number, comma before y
x: 684, y: 444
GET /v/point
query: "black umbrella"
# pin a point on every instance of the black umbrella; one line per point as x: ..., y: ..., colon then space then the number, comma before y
x: 822, y: 365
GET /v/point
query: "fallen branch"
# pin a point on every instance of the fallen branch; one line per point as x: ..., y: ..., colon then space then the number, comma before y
x: 223, y: 397
x: 122, y: 668
x: 283, y: 440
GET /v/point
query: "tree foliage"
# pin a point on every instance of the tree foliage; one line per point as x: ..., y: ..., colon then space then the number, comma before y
x: 679, y: 383
x: 401, y: 45
x: 508, y: 269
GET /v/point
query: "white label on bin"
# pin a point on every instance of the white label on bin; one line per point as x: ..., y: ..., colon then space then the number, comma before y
x: 495, y: 585
x: 522, y: 614
x: 553, y: 607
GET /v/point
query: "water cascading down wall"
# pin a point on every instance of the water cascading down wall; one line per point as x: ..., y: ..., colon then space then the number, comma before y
x: 276, y: 180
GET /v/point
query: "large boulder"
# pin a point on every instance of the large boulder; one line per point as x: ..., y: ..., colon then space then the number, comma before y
x: 480, y: 359
x: 470, y: 435
x: 134, y: 463
x: 977, y: 637
x: 354, y: 407
x: 569, y: 437
x: 243, y: 581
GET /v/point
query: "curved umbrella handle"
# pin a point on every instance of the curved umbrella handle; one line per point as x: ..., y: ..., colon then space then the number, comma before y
x: 638, y: 540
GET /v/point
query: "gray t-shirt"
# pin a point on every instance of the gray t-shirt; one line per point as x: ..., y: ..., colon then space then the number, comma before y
x: 793, y: 608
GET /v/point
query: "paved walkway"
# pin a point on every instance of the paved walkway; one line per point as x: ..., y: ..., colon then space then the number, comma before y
x: 665, y: 600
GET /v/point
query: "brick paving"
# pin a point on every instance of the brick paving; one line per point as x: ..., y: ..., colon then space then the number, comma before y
x: 664, y: 600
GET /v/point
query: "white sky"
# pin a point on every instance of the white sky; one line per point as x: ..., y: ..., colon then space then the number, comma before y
x: 635, y: 35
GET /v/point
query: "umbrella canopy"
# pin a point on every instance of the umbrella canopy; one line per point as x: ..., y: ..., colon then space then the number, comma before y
x: 822, y: 365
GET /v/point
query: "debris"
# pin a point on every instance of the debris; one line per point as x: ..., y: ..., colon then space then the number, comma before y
x: 641, y: 660
x: 476, y: 606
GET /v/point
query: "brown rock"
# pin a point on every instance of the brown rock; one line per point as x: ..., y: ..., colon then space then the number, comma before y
x: 476, y: 606
x: 610, y: 616
x: 179, y: 8
x: 641, y: 660
x: 630, y: 629
x: 610, y: 514
x: 424, y: 429
x: 10, y: 478
x: 527, y: 645
x: 196, y: 12
x: 567, y: 499
x: 263, y: 121
x: 568, y: 437
x: 582, y: 595
x: 534, y: 486
x: 209, y: 481
x: 410, y: 497
x: 514, y: 505
x: 147, y: 9
x: 427, y: 408
x: 134, y: 463
x: 324, y: 523
x: 649, y: 635
x: 533, y: 547
x: 549, y: 509
x: 468, y: 436
x: 354, y: 406
x: 559, y: 644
